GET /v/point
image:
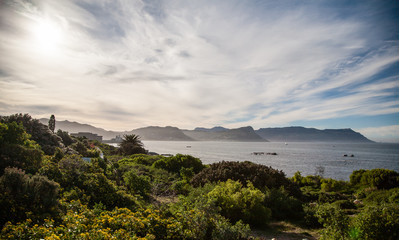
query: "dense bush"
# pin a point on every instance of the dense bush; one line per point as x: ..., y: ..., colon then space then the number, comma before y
x: 20, y: 194
x: 240, y: 203
x: 201, y: 216
x: 260, y: 176
x: 382, y: 196
x: 332, y: 185
x: 101, y: 189
x: 17, y: 150
x: 313, y: 181
x: 175, y: 163
x: 139, y: 159
x: 137, y: 184
x: 80, y: 222
x: 161, y: 180
x: 283, y: 206
x: 40, y: 133
x: 66, y: 139
x: 379, y: 178
x: 378, y: 222
x: 73, y: 169
x: 334, y: 221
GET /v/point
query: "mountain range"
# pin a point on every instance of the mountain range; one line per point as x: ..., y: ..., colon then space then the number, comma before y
x: 243, y: 134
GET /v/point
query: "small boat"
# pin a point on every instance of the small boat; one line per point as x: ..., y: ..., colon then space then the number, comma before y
x: 188, y: 146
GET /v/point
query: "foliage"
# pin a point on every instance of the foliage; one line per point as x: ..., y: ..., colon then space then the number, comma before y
x: 39, y: 132
x: 332, y: 185
x: 101, y: 189
x: 139, y: 159
x: 334, y: 220
x: 80, y: 222
x: 137, y: 184
x: 161, y: 180
x: 17, y: 150
x: 260, y: 176
x: 131, y: 144
x: 379, y: 178
x: 282, y: 205
x: 20, y: 193
x: 66, y: 139
x: 378, y: 222
x: 73, y: 170
x: 201, y: 217
x: 175, y: 163
x: 382, y: 196
x: 59, y: 195
x: 240, y: 203
x: 311, y: 181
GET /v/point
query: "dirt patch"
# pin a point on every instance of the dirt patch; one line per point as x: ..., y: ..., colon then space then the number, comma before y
x: 284, y: 231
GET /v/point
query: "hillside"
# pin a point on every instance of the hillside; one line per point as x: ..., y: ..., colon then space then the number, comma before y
x: 301, y: 134
x: 244, y: 134
x: 162, y: 134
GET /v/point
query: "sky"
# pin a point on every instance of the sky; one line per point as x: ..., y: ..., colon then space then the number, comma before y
x: 121, y: 65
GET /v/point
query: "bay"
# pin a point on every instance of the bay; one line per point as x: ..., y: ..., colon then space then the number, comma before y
x: 305, y: 157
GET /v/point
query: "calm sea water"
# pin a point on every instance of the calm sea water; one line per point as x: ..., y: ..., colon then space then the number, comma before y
x: 291, y: 157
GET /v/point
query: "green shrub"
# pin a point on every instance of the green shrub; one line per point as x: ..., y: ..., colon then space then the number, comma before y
x: 138, y: 184
x: 21, y: 193
x: 332, y: 185
x: 101, y: 189
x: 310, y: 218
x: 382, y: 196
x: 39, y: 132
x: 176, y: 163
x: 334, y: 221
x: 282, y: 205
x: 17, y: 149
x: 378, y: 222
x: 139, y: 159
x: 73, y: 169
x: 260, y: 176
x: 240, y: 203
x: 379, y: 178
x: 201, y: 218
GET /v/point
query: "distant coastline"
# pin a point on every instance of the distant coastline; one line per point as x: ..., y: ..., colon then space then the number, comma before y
x: 243, y: 134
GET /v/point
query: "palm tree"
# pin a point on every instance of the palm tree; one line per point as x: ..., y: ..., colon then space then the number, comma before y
x: 131, y: 144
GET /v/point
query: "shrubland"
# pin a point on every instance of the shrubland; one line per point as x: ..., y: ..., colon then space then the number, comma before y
x: 54, y: 186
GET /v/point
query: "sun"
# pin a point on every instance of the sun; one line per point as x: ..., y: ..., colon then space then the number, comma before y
x: 47, y: 36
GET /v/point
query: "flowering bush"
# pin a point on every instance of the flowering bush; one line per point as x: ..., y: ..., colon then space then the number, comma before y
x: 80, y: 222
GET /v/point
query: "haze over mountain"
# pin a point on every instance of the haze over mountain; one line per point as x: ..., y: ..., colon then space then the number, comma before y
x: 243, y: 134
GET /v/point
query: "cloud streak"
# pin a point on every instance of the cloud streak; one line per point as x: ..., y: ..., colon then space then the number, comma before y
x: 205, y: 63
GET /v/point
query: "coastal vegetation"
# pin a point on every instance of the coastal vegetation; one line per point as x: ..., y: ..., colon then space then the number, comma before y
x: 54, y: 186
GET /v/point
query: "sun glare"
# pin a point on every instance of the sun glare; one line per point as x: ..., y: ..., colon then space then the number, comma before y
x: 48, y: 36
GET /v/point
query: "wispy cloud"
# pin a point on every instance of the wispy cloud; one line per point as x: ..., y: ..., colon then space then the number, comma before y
x: 382, y: 134
x: 189, y: 63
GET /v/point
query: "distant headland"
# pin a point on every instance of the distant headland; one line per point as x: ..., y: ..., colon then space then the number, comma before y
x: 243, y: 134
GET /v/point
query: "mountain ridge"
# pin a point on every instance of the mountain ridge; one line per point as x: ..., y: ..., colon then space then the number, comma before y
x: 243, y: 134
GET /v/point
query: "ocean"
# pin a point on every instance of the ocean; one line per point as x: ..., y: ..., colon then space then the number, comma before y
x: 291, y: 157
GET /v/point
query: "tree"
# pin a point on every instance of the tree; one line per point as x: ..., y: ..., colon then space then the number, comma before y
x: 17, y: 149
x: 131, y: 144
x: 39, y: 132
x: 51, y: 123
